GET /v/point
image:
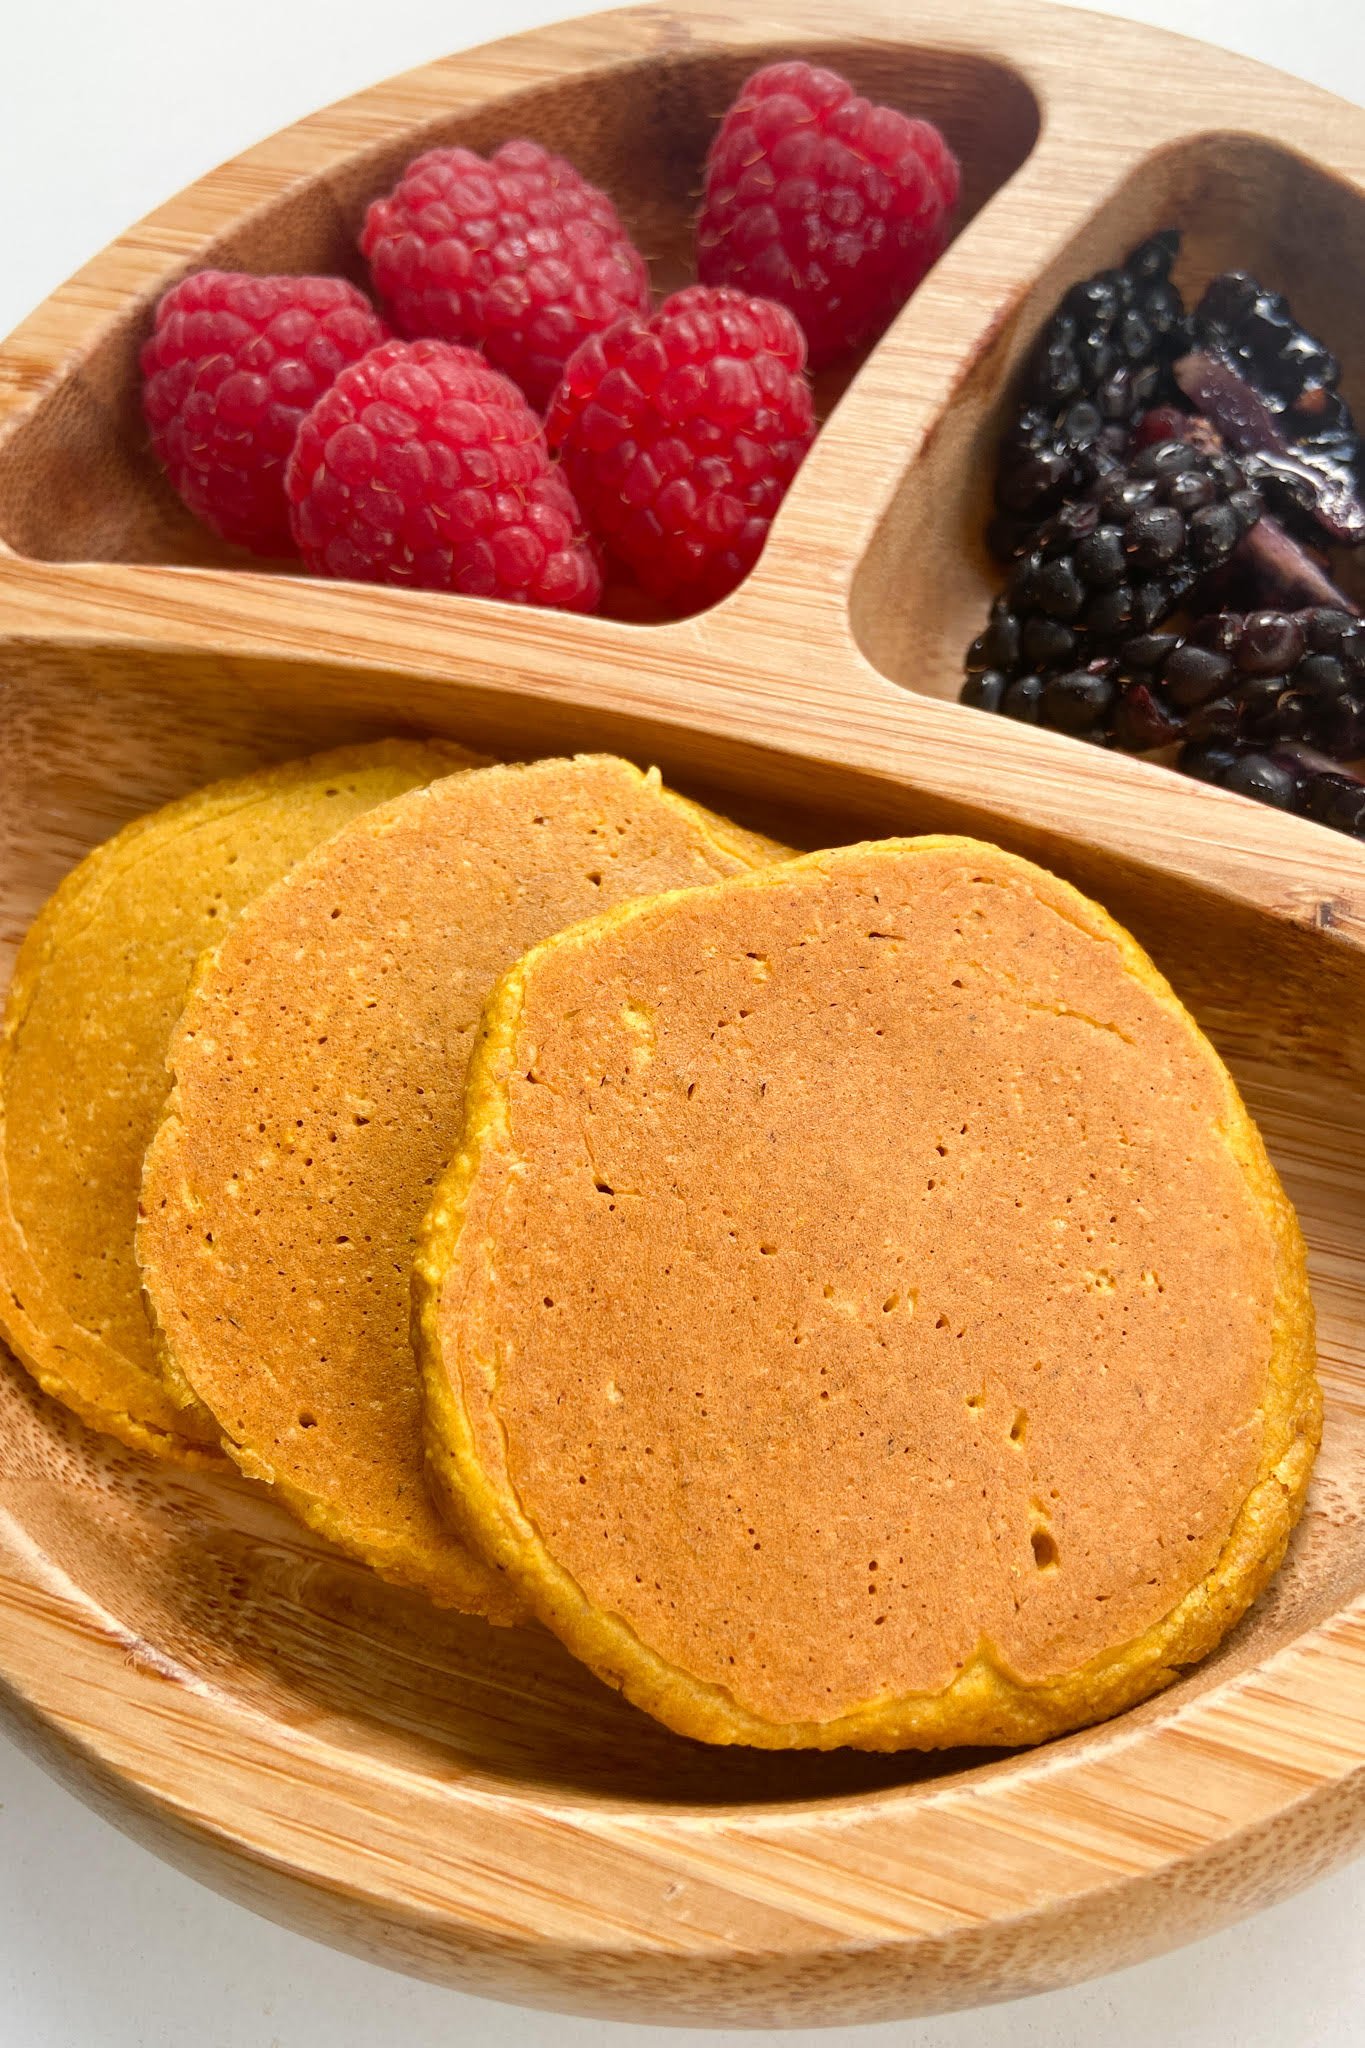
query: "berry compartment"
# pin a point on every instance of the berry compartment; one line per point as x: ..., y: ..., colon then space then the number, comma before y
x: 923, y: 590
x: 640, y: 128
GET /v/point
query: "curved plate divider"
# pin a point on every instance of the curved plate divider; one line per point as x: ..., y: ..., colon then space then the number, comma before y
x: 467, y: 1803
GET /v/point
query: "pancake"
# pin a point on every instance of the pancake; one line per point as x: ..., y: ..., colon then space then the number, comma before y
x: 97, y: 987
x: 319, y: 1072
x: 862, y: 1311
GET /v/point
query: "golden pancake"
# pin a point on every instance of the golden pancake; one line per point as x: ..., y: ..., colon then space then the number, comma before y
x: 97, y: 987
x: 862, y: 1311
x: 319, y: 1073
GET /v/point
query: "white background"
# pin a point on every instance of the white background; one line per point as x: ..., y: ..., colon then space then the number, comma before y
x: 106, y: 108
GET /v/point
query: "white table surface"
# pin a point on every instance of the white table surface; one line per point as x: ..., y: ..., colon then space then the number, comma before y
x: 106, y: 108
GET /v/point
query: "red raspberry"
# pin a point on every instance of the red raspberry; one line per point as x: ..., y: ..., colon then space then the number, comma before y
x: 828, y: 204
x: 423, y: 466
x: 680, y: 435
x: 232, y: 365
x: 518, y: 256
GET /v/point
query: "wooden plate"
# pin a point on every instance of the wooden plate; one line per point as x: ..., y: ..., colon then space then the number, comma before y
x: 464, y: 1803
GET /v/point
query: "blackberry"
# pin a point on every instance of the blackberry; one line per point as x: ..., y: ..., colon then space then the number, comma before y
x: 1103, y: 358
x: 1271, y: 390
x: 1263, y: 678
x: 1161, y: 461
x: 1117, y: 562
x: 1291, y: 777
x: 1271, y: 566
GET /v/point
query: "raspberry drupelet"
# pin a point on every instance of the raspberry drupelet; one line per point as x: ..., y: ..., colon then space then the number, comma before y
x: 423, y: 466
x: 680, y: 435
x: 517, y: 254
x: 830, y: 205
x: 231, y: 366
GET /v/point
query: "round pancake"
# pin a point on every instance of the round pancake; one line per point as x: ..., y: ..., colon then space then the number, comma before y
x: 319, y: 1073
x: 862, y: 1311
x: 97, y: 987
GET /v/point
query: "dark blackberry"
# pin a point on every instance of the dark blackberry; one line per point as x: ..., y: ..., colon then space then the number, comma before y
x: 1193, y: 674
x: 1271, y: 390
x: 1001, y: 639
x: 1339, y: 729
x: 1149, y: 650
x: 1130, y: 483
x: 1338, y: 801
x: 1278, y: 737
x: 1292, y: 777
x: 1114, y: 564
x: 1103, y: 358
x: 1269, y: 644
x: 1327, y: 628
x: 1262, y: 677
x: 1041, y: 463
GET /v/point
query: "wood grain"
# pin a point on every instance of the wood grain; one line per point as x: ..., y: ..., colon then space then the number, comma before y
x: 466, y: 1803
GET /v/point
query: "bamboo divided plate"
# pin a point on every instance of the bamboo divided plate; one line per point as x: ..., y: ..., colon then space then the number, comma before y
x: 462, y: 1802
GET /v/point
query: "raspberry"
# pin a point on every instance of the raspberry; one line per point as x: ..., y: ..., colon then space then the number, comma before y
x: 424, y: 466
x: 828, y: 204
x: 232, y: 365
x: 680, y: 435
x: 517, y: 255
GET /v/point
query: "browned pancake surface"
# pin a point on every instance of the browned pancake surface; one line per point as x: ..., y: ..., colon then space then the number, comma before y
x: 319, y: 1086
x: 854, y: 1274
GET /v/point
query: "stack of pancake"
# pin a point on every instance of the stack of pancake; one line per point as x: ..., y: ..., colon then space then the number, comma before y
x: 843, y: 1296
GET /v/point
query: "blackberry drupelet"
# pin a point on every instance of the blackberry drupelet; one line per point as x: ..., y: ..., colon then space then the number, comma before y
x: 1103, y: 358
